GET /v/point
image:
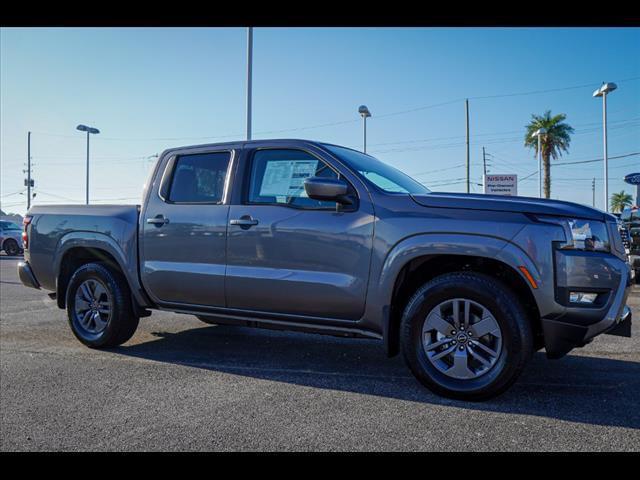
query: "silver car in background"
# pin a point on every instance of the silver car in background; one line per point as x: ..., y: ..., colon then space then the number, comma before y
x: 10, y: 238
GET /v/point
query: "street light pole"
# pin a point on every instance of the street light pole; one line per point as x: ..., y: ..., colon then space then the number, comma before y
x: 249, y: 77
x: 606, y: 156
x: 466, y: 106
x: 602, y: 92
x: 538, y: 133
x: 88, y: 130
x: 539, y: 164
x: 87, y: 185
x: 365, y: 113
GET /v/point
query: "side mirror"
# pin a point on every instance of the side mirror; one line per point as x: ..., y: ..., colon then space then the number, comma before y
x: 327, y: 189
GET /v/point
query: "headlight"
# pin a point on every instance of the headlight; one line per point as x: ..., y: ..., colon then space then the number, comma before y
x: 590, y: 235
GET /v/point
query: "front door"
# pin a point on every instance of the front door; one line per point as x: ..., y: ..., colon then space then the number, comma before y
x: 184, y: 229
x: 289, y: 254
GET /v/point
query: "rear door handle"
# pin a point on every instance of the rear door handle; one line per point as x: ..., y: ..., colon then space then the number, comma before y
x: 244, y: 221
x: 158, y: 220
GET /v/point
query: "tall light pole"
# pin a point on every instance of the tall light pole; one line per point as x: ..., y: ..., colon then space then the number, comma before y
x: 602, y: 92
x: 538, y: 133
x: 466, y: 107
x: 249, y: 79
x: 89, y: 130
x: 364, y: 113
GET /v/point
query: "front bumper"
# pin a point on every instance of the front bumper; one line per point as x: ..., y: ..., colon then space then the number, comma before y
x: 26, y: 275
x: 577, y: 325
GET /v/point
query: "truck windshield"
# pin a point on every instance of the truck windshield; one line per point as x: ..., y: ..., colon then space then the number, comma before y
x: 378, y: 173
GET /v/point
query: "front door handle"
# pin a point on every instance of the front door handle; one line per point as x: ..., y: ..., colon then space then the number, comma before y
x: 244, y: 221
x: 158, y: 220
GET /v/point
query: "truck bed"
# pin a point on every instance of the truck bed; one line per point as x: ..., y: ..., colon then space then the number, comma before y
x: 55, y: 229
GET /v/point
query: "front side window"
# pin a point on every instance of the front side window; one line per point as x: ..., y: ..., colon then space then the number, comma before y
x: 199, y: 178
x: 277, y: 177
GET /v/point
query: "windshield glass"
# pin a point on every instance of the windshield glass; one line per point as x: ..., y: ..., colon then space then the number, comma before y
x: 383, y: 176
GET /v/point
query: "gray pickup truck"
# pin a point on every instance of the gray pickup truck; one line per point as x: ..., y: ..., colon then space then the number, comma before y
x: 307, y: 236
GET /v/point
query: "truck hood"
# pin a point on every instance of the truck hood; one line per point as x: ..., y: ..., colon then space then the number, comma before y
x: 501, y: 203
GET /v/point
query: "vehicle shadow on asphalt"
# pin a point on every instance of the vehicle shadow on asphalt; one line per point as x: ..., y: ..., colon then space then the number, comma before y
x: 588, y: 390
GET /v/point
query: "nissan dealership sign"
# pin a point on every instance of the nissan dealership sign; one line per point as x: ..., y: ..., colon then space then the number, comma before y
x: 501, y: 184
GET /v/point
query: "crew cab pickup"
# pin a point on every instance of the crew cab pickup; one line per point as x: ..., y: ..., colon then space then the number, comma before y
x: 302, y: 235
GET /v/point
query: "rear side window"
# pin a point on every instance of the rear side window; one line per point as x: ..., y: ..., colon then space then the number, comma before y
x: 277, y: 177
x: 199, y: 178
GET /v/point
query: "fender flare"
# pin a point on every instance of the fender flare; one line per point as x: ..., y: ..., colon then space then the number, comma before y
x: 100, y: 241
x: 434, y: 244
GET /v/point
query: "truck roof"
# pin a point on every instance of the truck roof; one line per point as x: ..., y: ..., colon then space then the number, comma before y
x: 269, y: 141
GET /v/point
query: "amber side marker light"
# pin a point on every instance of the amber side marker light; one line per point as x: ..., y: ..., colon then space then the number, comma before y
x: 529, y: 277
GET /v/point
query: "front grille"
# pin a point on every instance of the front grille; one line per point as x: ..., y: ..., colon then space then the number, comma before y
x: 624, y: 235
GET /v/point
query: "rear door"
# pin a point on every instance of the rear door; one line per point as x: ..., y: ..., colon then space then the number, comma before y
x: 184, y: 228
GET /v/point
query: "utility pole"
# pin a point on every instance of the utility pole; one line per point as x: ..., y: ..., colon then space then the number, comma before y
x: 484, y: 161
x: 593, y: 192
x: 249, y: 75
x: 484, y: 165
x: 466, y: 103
x: 29, y: 170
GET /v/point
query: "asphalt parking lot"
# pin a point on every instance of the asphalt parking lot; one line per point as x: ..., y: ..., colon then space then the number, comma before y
x: 182, y: 385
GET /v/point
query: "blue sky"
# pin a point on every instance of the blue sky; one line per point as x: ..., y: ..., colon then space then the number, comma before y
x: 149, y: 89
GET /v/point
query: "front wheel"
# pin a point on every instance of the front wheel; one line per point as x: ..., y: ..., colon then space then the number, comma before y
x: 464, y: 335
x: 99, y: 306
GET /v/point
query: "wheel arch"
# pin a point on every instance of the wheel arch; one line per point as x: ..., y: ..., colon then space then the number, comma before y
x: 4, y: 242
x: 79, y: 248
x: 415, y: 261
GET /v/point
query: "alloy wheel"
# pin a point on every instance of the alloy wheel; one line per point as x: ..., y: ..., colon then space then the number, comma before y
x: 461, y: 338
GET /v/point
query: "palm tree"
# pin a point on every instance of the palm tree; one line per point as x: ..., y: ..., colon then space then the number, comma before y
x: 620, y: 200
x: 554, y: 142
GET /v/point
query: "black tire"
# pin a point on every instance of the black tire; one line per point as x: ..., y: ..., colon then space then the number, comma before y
x: 122, y: 322
x: 501, y: 302
x: 11, y: 247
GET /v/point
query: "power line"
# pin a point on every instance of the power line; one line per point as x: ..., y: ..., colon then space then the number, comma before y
x: 428, y: 172
x: 536, y: 92
x: 595, y: 160
x: 13, y: 193
x: 528, y: 176
x: 344, y: 122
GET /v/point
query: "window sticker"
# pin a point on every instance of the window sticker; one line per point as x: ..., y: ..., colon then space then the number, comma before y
x: 286, y: 177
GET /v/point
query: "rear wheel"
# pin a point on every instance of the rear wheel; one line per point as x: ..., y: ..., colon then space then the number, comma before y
x: 99, y: 306
x: 11, y: 247
x: 465, y: 335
